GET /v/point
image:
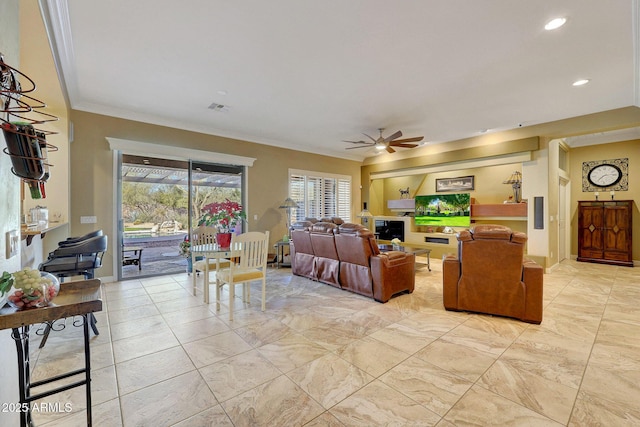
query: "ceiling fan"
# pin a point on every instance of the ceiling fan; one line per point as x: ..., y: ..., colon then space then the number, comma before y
x: 386, y: 143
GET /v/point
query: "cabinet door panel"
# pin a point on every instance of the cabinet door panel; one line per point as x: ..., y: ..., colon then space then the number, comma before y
x: 591, y: 230
x: 616, y: 226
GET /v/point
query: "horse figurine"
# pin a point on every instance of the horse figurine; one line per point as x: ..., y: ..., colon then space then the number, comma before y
x: 404, y: 194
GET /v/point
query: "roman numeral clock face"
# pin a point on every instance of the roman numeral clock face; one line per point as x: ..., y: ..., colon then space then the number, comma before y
x: 604, y: 175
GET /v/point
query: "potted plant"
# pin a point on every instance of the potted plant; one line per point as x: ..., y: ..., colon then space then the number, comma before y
x: 185, y: 251
x: 225, y: 216
x: 185, y: 247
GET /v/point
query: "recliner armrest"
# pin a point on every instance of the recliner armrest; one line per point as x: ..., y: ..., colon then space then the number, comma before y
x: 450, y: 278
x: 392, y: 273
x: 533, y: 277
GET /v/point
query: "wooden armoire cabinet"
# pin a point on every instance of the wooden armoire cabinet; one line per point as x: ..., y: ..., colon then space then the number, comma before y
x: 604, y: 232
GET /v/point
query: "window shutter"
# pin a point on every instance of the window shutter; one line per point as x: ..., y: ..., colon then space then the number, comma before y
x: 314, y: 197
x: 344, y: 199
x: 329, y: 197
x: 320, y: 196
x: 296, y: 192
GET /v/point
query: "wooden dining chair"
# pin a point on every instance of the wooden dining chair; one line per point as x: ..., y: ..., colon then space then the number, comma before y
x: 204, y: 235
x: 250, y: 264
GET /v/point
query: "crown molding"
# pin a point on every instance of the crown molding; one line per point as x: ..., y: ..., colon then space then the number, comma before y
x: 55, y: 15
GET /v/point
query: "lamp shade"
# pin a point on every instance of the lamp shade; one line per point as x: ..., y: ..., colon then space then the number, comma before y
x: 364, y: 213
x: 289, y: 203
x: 515, y: 178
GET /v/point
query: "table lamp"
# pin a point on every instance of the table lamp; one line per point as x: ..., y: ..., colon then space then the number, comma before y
x: 516, y: 182
x: 288, y: 204
x: 365, y: 214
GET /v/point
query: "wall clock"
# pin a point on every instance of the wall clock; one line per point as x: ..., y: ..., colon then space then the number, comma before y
x: 604, y: 175
x: 612, y: 174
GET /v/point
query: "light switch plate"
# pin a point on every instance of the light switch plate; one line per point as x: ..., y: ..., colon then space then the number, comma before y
x: 88, y: 220
x: 13, y: 240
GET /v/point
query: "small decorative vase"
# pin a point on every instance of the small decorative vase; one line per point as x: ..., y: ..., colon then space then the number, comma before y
x: 223, y: 240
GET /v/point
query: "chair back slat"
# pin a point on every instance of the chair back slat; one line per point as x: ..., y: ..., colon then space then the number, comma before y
x: 203, y: 235
x: 252, y: 248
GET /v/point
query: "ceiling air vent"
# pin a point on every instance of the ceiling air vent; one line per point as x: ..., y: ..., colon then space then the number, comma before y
x: 218, y: 107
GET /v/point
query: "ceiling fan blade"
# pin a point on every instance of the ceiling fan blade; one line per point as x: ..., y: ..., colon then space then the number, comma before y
x: 371, y: 138
x: 414, y: 139
x: 390, y: 150
x: 403, y: 145
x: 357, y: 142
x: 359, y: 146
x: 396, y: 135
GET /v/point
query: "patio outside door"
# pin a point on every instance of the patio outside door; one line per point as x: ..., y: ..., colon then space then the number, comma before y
x: 160, y: 201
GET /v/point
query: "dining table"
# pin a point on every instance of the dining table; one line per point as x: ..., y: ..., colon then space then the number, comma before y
x: 210, y: 251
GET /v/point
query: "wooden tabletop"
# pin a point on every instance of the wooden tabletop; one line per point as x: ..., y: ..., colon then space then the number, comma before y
x: 75, y: 298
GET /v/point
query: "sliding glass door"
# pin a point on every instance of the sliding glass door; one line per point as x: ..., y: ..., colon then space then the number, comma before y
x: 160, y: 201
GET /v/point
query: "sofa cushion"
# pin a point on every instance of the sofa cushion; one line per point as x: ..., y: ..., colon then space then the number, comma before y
x: 327, y: 263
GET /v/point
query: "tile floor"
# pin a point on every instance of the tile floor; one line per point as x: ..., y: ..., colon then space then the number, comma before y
x: 320, y: 356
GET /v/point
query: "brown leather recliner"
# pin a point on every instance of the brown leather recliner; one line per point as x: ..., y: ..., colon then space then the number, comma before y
x: 326, y: 257
x: 367, y: 271
x: 302, y: 256
x: 490, y: 275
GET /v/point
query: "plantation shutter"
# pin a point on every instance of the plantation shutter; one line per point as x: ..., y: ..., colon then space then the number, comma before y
x: 296, y: 192
x: 329, y: 196
x: 344, y: 198
x: 314, y: 197
x: 320, y: 196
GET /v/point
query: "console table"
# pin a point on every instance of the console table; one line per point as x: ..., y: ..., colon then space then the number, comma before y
x: 80, y: 298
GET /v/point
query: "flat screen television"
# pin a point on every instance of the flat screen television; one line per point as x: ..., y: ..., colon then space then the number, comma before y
x: 444, y: 210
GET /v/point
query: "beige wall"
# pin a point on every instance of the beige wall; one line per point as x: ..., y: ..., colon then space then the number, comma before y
x: 9, y: 215
x: 37, y: 62
x: 92, y: 172
x: 488, y: 184
x: 489, y: 188
x: 628, y: 149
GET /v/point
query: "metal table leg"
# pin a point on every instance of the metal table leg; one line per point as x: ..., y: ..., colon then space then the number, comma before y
x: 21, y: 338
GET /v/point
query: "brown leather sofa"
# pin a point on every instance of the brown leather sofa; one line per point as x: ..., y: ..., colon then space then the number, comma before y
x: 302, y: 256
x: 490, y: 275
x: 323, y: 242
x: 347, y: 256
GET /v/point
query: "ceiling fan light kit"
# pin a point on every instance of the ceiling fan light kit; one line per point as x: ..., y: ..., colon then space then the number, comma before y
x: 387, y: 143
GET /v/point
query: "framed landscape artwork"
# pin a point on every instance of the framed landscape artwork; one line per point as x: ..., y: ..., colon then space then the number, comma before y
x: 462, y: 183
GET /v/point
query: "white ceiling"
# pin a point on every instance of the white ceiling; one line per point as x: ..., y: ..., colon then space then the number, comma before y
x: 308, y: 74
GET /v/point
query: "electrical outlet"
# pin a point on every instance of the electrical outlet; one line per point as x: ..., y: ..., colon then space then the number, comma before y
x: 12, y: 242
x: 88, y: 220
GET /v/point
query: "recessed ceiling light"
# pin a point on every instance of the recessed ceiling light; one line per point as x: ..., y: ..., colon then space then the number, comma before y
x: 484, y: 130
x: 581, y: 82
x: 222, y: 92
x: 555, y: 24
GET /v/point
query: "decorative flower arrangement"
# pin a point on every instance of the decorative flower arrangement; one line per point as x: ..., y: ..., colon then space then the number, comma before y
x: 185, y: 247
x: 395, y: 241
x: 224, y: 215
